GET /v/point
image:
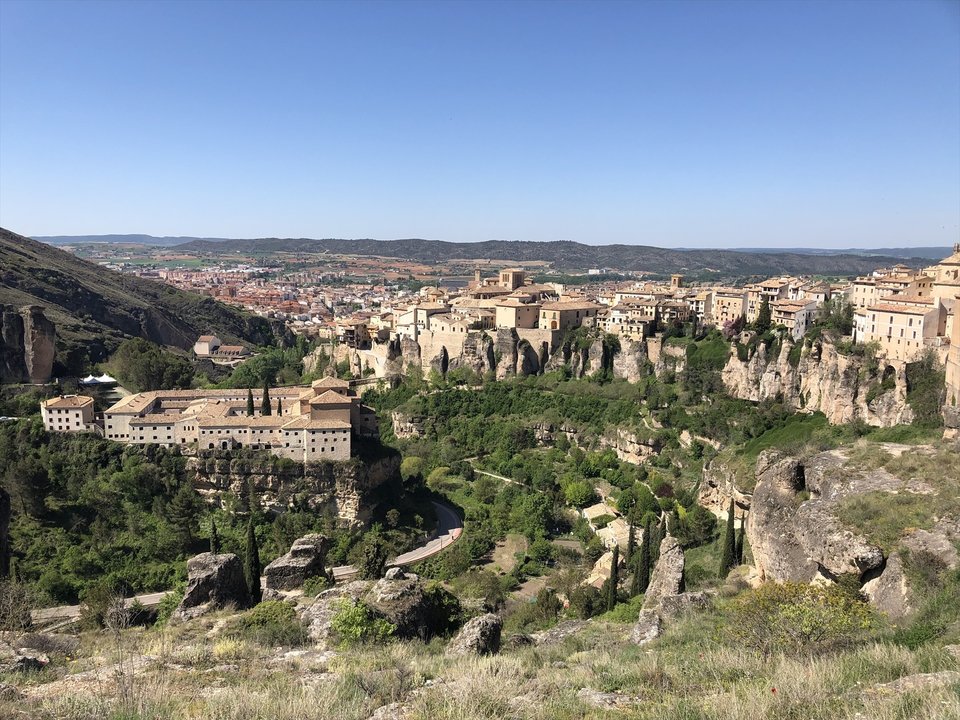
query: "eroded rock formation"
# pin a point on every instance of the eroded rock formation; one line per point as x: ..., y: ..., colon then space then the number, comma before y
x: 29, y: 345
x: 214, y: 582
x: 479, y: 636
x: 305, y: 560
x: 821, y: 379
x: 349, y: 491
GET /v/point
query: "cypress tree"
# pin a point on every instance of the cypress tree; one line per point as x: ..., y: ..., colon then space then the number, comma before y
x: 631, y: 546
x: 641, y: 566
x: 656, y: 537
x: 265, y: 403
x: 728, y: 549
x: 764, y: 317
x: 251, y: 566
x: 279, y: 408
x: 614, y: 578
x: 214, y: 537
x: 741, y: 536
x: 249, y: 402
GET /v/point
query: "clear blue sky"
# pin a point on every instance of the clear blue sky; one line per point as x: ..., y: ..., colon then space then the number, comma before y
x: 712, y: 124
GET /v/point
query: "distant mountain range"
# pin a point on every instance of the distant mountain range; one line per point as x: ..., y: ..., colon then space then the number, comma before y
x: 118, y: 239
x: 930, y: 252
x: 564, y: 255
x: 94, y: 308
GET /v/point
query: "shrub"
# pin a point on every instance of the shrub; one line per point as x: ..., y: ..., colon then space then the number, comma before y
x: 355, y: 623
x: 797, y: 618
x: 313, y: 586
x: 169, y: 603
x: 271, y: 623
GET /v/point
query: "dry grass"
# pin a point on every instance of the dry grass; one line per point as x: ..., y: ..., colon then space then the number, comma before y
x: 192, y: 676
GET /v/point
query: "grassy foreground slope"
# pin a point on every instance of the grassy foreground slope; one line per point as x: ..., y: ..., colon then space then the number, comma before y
x: 94, y: 309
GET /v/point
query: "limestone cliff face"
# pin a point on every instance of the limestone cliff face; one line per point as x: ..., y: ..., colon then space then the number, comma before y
x: 796, y: 533
x: 627, y: 444
x: 822, y: 380
x: 718, y: 487
x: 630, y: 362
x: 407, y: 426
x: 29, y: 345
x: 347, y: 490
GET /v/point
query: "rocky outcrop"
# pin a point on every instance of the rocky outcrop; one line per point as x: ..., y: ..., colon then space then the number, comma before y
x: 648, y: 627
x: 822, y: 379
x: 667, y: 576
x: 214, y: 582
x: 318, y: 616
x: 21, y: 659
x: 348, y: 490
x: 718, y: 487
x: 674, y: 606
x: 888, y: 590
x: 631, y: 363
x: 416, y: 609
x: 480, y: 636
x: 305, y: 560
x: 801, y: 540
x: 29, y: 345
x: 407, y: 426
x: 796, y: 532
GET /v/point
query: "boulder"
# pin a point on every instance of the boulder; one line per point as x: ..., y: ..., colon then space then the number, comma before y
x: 889, y: 591
x: 673, y: 606
x: 648, y: 627
x: 936, y: 542
x: 480, y: 636
x: 418, y: 611
x: 558, y: 633
x: 920, y: 681
x: 667, y: 576
x: 395, y: 573
x: 21, y: 659
x: 319, y: 615
x: 305, y: 560
x: 214, y: 582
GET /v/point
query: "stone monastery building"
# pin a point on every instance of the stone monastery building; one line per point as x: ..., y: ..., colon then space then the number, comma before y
x: 315, y: 423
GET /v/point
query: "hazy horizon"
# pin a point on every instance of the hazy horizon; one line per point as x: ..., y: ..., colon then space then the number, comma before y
x: 678, y: 125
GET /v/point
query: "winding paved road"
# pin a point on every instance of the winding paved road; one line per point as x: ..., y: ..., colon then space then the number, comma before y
x: 449, y: 529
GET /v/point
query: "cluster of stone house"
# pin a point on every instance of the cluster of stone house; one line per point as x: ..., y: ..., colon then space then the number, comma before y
x: 906, y: 312
x: 315, y: 422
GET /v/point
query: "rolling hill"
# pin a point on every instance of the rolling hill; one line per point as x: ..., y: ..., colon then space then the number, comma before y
x: 94, y: 309
x: 567, y: 255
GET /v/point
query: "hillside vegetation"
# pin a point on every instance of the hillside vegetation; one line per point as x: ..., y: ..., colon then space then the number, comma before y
x: 94, y: 309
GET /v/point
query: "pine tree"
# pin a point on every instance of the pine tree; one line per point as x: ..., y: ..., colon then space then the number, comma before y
x: 279, y: 408
x: 641, y: 566
x: 249, y: 402
x: 182, y: 512
x: 763, y: 321
x: 214, y: 537
x: 631, y: 546
x: 265, y: 403
x: 728, y: 549
x: 614, y: 579
x: 741, y: 536
x: 251, y: 568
